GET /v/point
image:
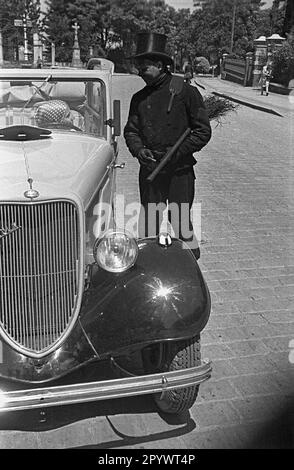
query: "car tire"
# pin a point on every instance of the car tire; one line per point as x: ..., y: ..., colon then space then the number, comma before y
x: 177, y: 355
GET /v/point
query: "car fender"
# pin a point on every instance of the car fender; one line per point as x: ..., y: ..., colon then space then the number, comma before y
x: 162, y: 297
x: 74, y: 352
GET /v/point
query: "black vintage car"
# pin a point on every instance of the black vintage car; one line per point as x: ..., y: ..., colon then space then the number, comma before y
x: 77, y: 293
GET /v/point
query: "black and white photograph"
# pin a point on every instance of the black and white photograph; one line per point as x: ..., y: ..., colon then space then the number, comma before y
x: 147, y: 229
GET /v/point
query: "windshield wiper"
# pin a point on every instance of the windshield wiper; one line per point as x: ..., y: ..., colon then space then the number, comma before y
x: 47, y: 79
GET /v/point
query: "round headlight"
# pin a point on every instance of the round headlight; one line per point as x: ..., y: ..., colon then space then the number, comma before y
x: 115, y: 251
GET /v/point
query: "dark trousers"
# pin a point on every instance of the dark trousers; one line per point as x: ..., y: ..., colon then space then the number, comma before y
x: 179, y: 190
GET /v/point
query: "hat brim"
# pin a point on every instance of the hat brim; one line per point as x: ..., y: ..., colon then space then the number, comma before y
x: 160, y: 55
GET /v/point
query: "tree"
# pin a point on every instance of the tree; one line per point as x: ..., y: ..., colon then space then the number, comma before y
x: 218, y: 23
x: 13, y: 37
x: 283, y: 61
x: 58, y: 29
x: 104, y: 24
x: 277, y: 16
x: 289, y: 17
x: 263, y: 23
x: 201, y: 65
x: 128, y: 18
x: 94, y: 19
x: 131, y: 16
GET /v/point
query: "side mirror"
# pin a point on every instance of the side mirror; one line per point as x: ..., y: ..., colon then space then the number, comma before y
x: 116, y: 118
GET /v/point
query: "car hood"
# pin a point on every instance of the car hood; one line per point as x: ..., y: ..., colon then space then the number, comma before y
x: 61, y: 166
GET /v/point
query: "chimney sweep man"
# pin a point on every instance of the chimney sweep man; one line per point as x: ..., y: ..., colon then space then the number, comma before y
x: 159, y: 114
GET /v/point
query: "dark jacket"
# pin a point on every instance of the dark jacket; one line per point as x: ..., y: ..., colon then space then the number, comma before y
x: 150, y: 125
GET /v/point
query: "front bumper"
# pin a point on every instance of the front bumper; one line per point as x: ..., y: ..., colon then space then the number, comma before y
x: 103, y: 390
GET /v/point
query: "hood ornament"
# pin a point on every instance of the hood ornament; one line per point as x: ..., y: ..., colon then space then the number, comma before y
x: 31, y: 193
x: 5, y: 231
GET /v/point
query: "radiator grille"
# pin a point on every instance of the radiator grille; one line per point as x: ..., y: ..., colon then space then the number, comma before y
x: 39, y: 273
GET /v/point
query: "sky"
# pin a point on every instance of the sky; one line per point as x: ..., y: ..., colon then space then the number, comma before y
x: 180, y: 3
x: 189, y: 3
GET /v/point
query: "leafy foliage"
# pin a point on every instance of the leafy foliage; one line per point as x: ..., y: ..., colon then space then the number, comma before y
x: 201, y: 65
x: 112, y: 25
x: 289, y: 17
x: 90, y: 16
x: 11, y: 10
x: 277, y: 16
x: 57, y: 27
x: 283, y: 61
x: 213, y: 26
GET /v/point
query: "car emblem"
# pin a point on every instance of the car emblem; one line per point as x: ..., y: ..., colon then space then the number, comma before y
x: 5, y: 231
x: 31, y: 193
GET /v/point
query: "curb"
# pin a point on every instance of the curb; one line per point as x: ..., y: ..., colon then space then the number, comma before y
x: 247, y: 103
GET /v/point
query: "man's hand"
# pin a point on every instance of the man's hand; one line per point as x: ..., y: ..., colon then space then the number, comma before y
x: 174, y: 159
x: 146, y: 158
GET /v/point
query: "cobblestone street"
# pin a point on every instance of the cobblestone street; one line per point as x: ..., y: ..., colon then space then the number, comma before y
x: 245, y: 187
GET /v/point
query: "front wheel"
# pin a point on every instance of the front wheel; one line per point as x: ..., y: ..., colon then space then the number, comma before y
x: 172, y: 356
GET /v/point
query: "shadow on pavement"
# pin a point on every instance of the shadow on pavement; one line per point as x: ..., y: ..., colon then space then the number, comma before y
x: 277, y: 433
x: 44, y: 419
x: 126, y: 440
x: 55, y: 417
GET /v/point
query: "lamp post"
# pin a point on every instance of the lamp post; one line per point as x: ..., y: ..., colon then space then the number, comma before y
x: 25, y: 23
x: 25, y: 37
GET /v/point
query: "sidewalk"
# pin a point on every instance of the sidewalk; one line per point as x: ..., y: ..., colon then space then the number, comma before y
x: 273, y: 103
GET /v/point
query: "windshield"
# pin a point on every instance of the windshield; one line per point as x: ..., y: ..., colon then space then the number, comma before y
x: 78, y: 105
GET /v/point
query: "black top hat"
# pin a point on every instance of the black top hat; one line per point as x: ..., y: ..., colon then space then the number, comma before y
x: 152, y: 45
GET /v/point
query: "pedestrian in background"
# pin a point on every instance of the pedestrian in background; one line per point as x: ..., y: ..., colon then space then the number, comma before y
x: 156, y: 120
x: 188, y: 72
x: 265, y: 79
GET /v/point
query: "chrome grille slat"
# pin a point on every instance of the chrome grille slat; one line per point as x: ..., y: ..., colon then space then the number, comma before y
x: 60, y: 280
x: 38, y: 277
x: 38, y: 289
x: 15, y: 278
x: 60, y: 284
x: 22, y: 282
x: 31, y: 281
x: 64, y: 279
x: 47, y: 258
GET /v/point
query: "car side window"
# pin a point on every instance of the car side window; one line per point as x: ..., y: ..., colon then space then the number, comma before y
x: 95, y: 109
